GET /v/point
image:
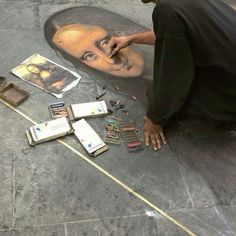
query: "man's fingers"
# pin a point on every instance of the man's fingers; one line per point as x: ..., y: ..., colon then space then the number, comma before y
x: 113, y: 47
x: 111, y: 42
x: 158, y: 141
x: 146, y: 138
x: 153, y: 133
x: 114, y: 51
x: 163, y: 138
x: 154, y: 141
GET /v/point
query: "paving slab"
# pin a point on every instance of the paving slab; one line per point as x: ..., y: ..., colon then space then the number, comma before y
x: 53, y: 186
x: 215, y: 221
x: 132, y: 226
x: 17, y: 15
x: 6, y: 196
x: 206, y: 154
x: 58, y: 230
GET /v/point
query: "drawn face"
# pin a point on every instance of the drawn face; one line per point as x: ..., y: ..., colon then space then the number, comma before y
x: 90, y: 44
x: 33, y: 68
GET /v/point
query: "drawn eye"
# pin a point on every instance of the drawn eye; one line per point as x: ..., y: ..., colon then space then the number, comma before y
x: 89, y: 56
x: 104, y: 42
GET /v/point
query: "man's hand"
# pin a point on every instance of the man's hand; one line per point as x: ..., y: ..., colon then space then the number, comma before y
x: 117, y: 43
x: 153, y: 134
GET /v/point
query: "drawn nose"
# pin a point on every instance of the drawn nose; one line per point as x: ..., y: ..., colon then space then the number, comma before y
x: 106, y: 57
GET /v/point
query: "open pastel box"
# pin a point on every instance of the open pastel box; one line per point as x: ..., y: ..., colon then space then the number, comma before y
x: 13, y: 94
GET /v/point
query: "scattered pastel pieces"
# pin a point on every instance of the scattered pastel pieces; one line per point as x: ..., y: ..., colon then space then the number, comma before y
x: 100, y: 95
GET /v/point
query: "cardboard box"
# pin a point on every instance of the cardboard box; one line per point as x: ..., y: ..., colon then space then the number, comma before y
x: 88, y: 109
x: 48, y: 130
x: 89, y: 139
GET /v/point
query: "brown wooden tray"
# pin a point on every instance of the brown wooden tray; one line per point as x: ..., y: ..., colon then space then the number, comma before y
x: 2, y: 82
x: 13, y: 94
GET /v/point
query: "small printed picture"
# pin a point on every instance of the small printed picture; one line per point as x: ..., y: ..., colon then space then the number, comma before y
x: 46, y: 75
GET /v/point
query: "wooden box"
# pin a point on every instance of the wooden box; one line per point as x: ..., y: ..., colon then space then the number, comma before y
x: 13, y: 94
x: 2, y: 82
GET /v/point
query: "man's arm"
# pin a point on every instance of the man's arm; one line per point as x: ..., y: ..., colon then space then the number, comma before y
x: 117, y: 43
x: 173, y: 77
x: 147, y: 37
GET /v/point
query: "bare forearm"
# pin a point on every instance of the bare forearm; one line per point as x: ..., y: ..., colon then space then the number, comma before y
x: 147, y: 37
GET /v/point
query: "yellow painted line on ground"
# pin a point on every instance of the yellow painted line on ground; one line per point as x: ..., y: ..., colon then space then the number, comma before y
x: 161, y: 212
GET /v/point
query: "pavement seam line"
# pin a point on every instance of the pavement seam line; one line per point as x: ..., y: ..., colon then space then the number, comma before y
x: 182, y: 175
x: 13, y: 189
x: 65, y: 228
x: 183, y: 227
